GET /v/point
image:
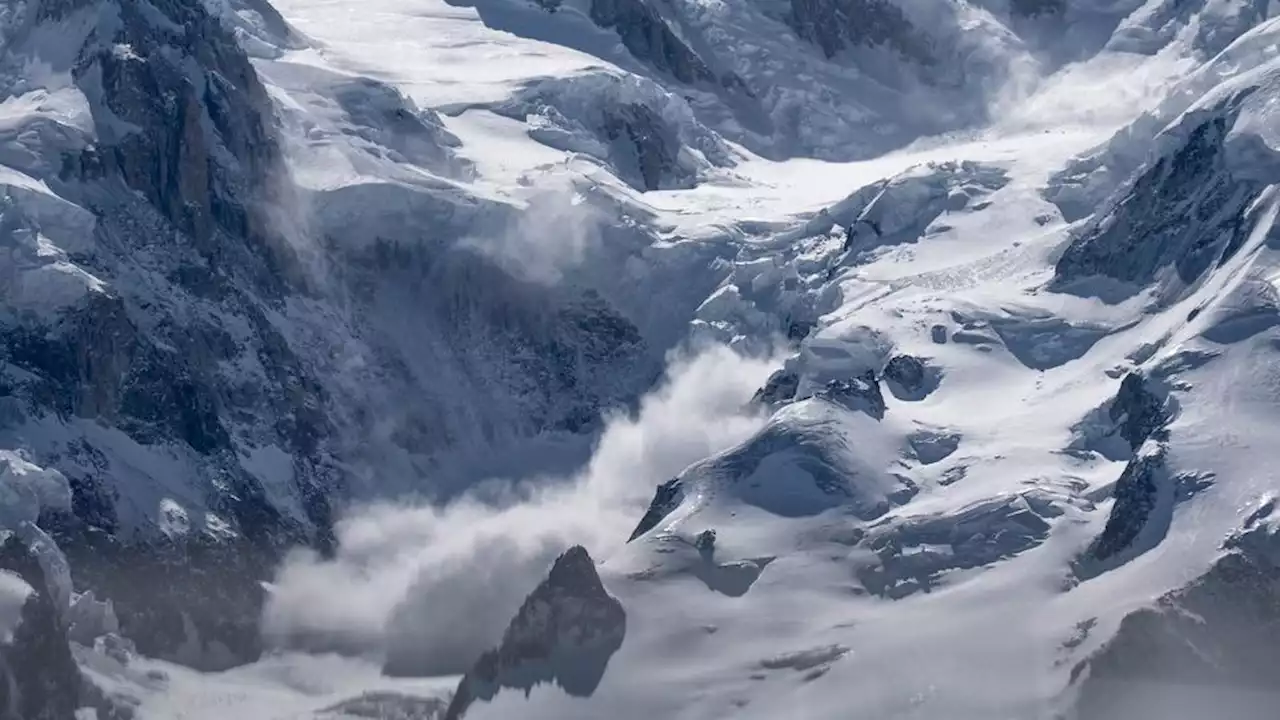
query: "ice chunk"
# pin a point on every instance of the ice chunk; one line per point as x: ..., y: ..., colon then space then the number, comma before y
x: 26, y: 489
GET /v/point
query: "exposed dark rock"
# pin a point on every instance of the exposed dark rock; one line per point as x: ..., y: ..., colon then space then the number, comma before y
x: 913, y: 553
x: 41, y: 680
x: 98, y: 364
x: 1186, y: 210
x: 647, y: 36
x: 182, y: 173
x: 1137, y: 412
x: 909, y: 378
x: 1140, y: 411
x: 1206, y: 650
x: 1037, y: 8
x: 798, y: 330
x: 666, y: 498
x: 192, y: 353
x: 643, y: 144
x: 565, y: 632
x: 907, y: 371
x: 204, y: 152
x: 834, y: 25
x: 781, y: 387
x: 859, y: 394
x: 705, y: 542
x: 195, y: 600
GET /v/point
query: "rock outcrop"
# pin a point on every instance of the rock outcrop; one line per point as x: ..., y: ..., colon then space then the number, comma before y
x: 834, y: 25
x: 1143, y: 503
x: 1202, y: 650
x: 1137, y: 412
x: 859, y: 394
x: 181, y: 174
x: 780, y: 388
x: 646, y: 136
x: 565, y: 632
x: 907, y: 371
x: 648, y: 37
x: 1186, y: 211
x: 177, y: 382
x: 666, y: 498
x: 1146, y: 492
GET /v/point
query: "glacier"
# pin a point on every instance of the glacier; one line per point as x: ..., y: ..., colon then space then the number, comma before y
x: 690, y: 359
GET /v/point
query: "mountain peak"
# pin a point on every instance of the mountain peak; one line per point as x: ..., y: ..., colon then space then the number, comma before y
x: 564, y: 632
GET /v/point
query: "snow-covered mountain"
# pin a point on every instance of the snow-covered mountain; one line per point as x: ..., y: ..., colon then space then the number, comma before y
x: 889, y: 358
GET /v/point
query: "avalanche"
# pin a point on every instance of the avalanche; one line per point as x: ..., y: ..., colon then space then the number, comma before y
x: 620, y: 358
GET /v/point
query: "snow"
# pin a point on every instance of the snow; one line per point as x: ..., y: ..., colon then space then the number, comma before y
x: 26, y: 489
x: 285, y: 687
x: 469, y: 62
x: 922, y: 553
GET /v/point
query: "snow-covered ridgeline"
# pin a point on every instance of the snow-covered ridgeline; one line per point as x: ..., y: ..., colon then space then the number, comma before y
x: 984, y: 418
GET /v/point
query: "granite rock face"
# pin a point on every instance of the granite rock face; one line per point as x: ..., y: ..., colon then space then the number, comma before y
x: 650, y: 39
x: 565, y: 632
x: 907, y: 371
x: 666, y: 498
x: 176, y: 180
x: 1138, y: 412
x: 186, y: 383
x: 1142, y: 492
x: 835, y: 25
x: 780, y: 388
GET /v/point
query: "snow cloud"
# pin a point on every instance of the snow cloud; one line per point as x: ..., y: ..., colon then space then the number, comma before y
x: 551, y: 236
x: 14, y: 592
x: 431, y: 587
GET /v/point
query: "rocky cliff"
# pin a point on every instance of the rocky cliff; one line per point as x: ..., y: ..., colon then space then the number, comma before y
x: 212, y: 376
x: 565, y: 632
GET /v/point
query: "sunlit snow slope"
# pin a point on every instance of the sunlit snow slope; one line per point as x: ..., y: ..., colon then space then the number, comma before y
x: 968, y: 311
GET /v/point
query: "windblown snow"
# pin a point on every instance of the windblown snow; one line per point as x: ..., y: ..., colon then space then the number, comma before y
x: 889, y: 358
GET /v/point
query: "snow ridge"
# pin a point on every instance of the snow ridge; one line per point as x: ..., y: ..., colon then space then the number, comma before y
x: 362, y: 280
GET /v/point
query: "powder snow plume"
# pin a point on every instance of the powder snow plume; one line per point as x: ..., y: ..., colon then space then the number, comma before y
x: 431, y: 587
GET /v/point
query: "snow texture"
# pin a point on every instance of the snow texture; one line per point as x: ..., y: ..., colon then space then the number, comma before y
x: 327, y: 327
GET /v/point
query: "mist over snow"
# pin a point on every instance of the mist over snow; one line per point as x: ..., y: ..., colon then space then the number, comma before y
x: 891, y: 359
x: 549, y: 236
x: 430, y: 587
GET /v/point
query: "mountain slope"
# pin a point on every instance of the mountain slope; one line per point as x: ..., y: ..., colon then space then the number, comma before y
x: 165, y: 335
x: 264, y: 268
